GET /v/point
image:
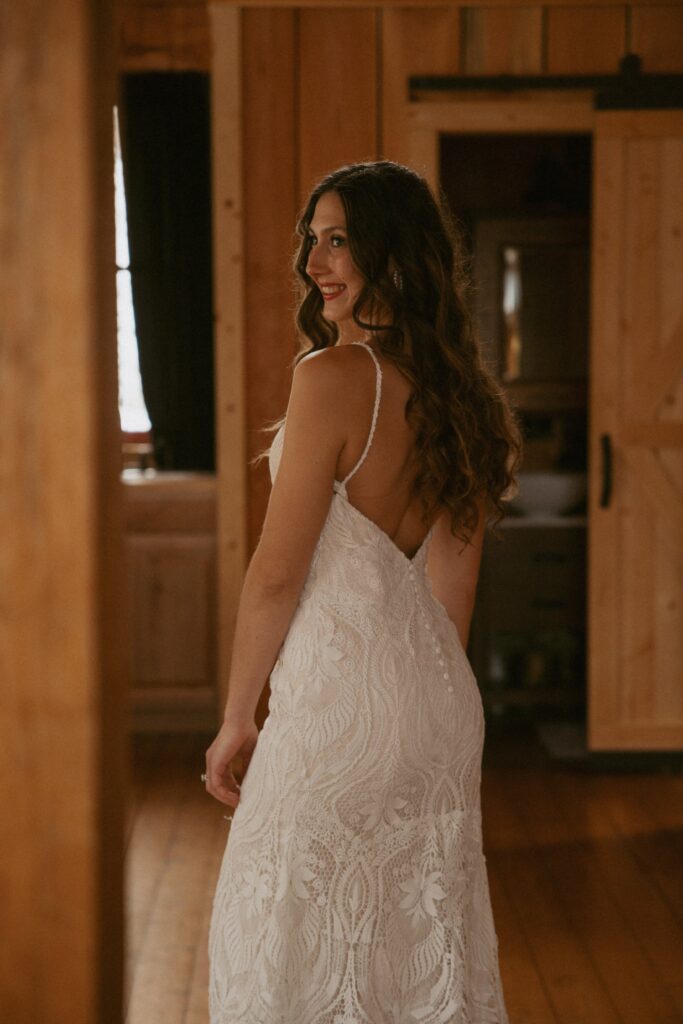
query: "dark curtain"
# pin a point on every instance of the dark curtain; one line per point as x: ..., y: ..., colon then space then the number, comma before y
x: 165, y: 128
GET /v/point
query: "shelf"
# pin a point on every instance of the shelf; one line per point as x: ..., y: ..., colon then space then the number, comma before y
x: 548, y: 396
x: 542, y: 522
x: 520, y: 697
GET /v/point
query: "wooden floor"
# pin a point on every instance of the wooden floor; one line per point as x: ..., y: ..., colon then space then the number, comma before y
x: 585, y: 870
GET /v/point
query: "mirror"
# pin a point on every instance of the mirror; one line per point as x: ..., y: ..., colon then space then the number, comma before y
x: 532, y: 297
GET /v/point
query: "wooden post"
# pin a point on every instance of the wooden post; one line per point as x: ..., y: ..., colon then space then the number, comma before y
x: 231, y: 517
x: 62, y: 648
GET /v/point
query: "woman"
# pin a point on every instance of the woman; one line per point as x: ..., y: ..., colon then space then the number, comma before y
x: 354, y: 887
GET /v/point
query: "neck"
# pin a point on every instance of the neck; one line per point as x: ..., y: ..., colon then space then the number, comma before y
x: 350, y: 334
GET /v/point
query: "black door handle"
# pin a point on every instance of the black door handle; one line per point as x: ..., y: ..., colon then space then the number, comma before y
x: 606, y: 493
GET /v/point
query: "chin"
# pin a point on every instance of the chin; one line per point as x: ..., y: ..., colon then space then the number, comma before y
x: 337, y: 318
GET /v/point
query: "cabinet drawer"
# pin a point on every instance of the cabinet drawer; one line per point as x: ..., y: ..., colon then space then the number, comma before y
x: 535, y: 578
x: 526, y: 556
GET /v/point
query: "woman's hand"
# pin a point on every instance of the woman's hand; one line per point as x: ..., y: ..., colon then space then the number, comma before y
x: 235, y: 741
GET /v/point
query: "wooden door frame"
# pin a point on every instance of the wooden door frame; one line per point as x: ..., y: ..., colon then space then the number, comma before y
x: 508, y: 113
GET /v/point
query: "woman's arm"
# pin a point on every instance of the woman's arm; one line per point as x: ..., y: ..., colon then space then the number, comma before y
x: 298, y: 506
x: 454, y: 571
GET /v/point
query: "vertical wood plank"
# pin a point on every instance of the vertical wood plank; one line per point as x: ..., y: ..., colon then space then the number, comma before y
x: 337, y: 90
x: 641, y: 258
x: 62, y: 644
x: 585, y: 40
x: 671, y: 233
x: 500, y: 40
x: 424, y: 151
x: 657, y: 36
x: 639, y: 339
x: 109, y: 703
x: 604, y: 565
x: 228, y: 198
x: 415, y: 40
x: 270, y: 207
x: 669, y: 649
x: 190, y: 40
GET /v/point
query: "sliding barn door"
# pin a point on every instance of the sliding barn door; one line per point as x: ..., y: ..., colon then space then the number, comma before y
x: 636, y: 428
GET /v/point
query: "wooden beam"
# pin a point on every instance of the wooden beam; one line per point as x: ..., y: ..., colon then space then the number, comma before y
x: 506, y: 113
x: 431, y: 3
x: 642, y: 124
x: 270, y: 63
x: 62, y: 643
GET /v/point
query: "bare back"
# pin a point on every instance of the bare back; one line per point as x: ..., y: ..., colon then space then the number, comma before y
x: 380, y: 488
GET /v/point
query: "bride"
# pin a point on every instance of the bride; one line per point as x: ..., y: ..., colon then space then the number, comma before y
x: 353, y: 886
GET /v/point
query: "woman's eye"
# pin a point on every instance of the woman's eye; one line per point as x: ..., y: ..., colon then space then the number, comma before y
x: 336, y: 241
x: 311, y: 240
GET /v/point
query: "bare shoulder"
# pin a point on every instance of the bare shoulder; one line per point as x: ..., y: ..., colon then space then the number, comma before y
x: 331, y: 373
x: 338, y: 359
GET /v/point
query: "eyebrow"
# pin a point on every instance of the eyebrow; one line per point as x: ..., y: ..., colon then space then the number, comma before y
x: 335, y: 227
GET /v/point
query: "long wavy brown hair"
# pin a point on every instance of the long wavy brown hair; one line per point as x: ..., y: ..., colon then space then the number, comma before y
x: 413, y: 304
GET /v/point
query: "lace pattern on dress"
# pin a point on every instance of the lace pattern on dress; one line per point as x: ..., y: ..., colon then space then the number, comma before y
x: 353, y: 888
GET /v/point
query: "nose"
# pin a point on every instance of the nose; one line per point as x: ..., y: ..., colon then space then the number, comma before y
x: 315, y: 264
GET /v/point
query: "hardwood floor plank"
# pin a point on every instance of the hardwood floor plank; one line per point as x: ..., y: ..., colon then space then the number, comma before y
x: 197, y: 1005
x: 653, y: 924
x: 574, y: 987
x: 153, y: 826
x: 165, y: 965
x: 654, y: 849
x: 661, y: 796
x: 525, y: 995
x: 626, y: 972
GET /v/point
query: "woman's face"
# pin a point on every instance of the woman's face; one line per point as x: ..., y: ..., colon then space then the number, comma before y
x: 329, y: 260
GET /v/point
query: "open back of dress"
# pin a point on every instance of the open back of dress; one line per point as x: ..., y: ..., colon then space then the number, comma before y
x: 353, y: 889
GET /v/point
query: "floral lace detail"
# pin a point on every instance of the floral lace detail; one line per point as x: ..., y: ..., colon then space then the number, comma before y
x: 353, y: 888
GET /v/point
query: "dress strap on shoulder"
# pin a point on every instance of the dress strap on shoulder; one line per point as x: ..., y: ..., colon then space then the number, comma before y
x: 375, y: 411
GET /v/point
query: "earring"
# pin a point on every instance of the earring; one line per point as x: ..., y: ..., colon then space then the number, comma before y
x: 398, y: 280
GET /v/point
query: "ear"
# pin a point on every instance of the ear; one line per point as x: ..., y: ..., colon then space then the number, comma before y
x: 395, y: 273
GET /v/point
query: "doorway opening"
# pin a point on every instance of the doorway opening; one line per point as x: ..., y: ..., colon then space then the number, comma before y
x: 523, y: 205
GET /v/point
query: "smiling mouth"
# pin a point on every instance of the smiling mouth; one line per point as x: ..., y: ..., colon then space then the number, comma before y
x: 330, y: 292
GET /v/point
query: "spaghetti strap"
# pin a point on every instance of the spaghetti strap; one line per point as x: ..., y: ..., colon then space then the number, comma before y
x: 375, y: 411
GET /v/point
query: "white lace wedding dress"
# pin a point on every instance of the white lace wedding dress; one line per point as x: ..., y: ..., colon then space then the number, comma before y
x: 353, y: 889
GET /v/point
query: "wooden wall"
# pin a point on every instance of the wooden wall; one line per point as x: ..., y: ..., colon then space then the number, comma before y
x: 325, y: 84
x: 162, y: 35
x: 62, y: 652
